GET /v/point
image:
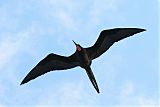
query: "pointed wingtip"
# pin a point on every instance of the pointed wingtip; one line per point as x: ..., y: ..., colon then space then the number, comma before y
x: 143, y: 29
x: 140, y: 29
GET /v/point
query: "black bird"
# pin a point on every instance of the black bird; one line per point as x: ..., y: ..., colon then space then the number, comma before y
x: 83, y: 56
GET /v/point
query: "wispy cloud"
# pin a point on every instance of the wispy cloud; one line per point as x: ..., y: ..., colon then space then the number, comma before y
x: 68, y: 94
x: 7, y: 48
x: 129, y: 95
x: 11, y: 46
x: 14, y: 43
x: 100, y: 10
x: 64, y: 13
x: 66, y: 20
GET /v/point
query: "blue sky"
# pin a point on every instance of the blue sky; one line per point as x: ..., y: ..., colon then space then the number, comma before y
x: 127, y: 74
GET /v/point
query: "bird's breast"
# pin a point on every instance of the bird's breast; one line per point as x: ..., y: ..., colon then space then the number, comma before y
x: 84, y: 60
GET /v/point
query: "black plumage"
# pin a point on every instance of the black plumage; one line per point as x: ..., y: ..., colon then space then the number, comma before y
x: 83, y: 56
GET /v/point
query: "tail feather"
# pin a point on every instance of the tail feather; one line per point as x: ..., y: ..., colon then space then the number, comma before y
x: 92, y: 78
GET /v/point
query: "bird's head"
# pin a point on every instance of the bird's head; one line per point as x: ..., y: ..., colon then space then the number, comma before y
x: 78, y: 47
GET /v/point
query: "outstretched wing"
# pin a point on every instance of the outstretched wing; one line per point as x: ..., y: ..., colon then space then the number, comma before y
x: 107, y: 38
x: 50, y: 63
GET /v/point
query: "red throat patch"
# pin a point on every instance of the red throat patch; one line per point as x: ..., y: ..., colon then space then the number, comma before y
x: 78, y: 48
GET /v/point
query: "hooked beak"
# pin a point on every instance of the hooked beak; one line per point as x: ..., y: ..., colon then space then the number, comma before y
x: 74, y: 43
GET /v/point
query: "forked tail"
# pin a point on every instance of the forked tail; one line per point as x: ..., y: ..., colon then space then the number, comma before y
x: 92, y: 78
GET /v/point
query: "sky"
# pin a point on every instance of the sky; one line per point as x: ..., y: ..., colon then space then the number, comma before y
x: 127, y: 74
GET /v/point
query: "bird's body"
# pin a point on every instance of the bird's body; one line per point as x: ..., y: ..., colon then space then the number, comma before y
x: 83, y: 59
x: 83, y: 56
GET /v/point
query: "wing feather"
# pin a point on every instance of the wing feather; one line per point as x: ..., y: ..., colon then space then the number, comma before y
x: 50, y: 63
x: 107, y: 38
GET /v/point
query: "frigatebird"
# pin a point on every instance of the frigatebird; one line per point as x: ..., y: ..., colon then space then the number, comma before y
x: 83, y: 56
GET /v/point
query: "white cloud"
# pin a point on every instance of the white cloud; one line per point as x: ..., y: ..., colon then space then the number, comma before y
x: 11, y: 45
x: 7, y: 48
x: 130, y: 96
x: 69, y: 94
x: 66, y: 19
x: 64, y: 12
x: 105, y: 11
x: 70, y: 13
x: 99, y: 8
x: 127, y: 90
